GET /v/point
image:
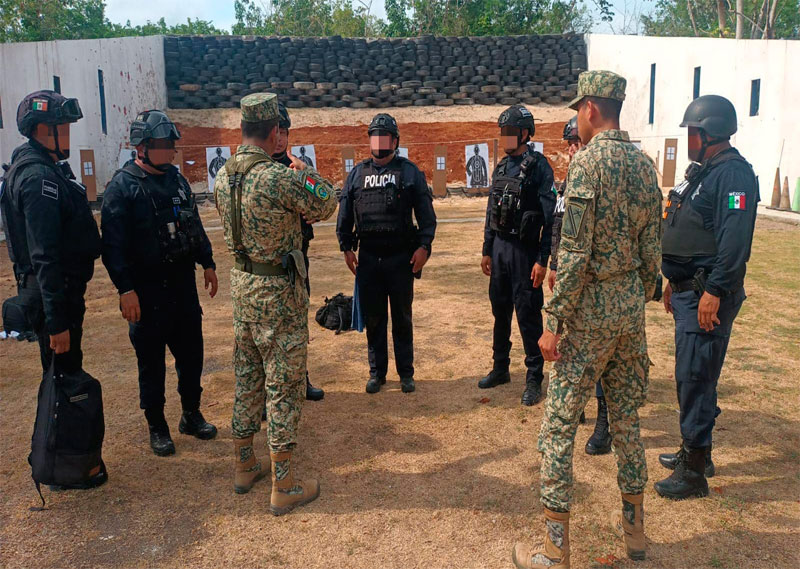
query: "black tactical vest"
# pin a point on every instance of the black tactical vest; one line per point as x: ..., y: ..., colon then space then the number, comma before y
x: 178, y: 230
x: 83, y: 245
x: 381, y: 202
x: 684, y: 233
x: 514, y: 203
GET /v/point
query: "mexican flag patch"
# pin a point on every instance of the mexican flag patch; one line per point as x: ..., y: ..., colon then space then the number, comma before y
x: 40, y: 105
x: 310, y: 184
x: 736, y: 200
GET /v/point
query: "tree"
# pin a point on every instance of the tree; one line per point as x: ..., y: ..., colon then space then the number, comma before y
x: 44, y: 20
x: 304, y: 18
x: 485, y: 17
x: 763, y: 19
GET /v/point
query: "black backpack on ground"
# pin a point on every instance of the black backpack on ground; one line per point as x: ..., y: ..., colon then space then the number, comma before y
x: 66, y: 447
x: 336, y: 314
x: 15, y: 318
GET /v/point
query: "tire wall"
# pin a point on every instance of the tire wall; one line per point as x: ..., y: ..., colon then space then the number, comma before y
x: 205, y: 72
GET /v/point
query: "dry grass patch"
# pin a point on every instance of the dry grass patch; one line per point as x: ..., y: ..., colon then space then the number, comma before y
x: 434, y: 479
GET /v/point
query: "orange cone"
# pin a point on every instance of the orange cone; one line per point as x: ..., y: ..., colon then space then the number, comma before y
x: 786, y: 203
x: 776, y: 190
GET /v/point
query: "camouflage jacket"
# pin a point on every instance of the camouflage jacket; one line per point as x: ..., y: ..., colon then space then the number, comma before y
x: 610, y: 238
x: 272, y: 197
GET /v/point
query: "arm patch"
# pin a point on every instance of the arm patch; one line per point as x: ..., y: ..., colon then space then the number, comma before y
x: 50, y: 189
x: 572, y: 223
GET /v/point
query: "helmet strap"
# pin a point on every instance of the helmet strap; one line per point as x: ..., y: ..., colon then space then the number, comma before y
x: 60, y: 153
x: 706, y: 143
x: 146, y: 160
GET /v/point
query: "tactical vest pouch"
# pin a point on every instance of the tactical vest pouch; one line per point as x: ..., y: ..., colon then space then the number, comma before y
x: 504, y: 211
x: 530, y: 231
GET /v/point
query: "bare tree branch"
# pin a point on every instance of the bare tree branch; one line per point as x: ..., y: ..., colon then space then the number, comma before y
x: 691, y: 16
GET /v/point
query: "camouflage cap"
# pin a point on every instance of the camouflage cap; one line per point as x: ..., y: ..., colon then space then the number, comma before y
x: 259, y: 107
x: 604, y: 84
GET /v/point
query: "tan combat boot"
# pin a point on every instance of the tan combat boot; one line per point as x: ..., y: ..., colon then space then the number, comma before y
x: 554, y: 553
x: 288, y: 493
x: 248, y: 469
x: 629, y: 524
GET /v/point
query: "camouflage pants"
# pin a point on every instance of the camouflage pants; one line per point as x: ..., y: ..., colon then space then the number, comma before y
x: 620, y: 362
x: 269, y: 363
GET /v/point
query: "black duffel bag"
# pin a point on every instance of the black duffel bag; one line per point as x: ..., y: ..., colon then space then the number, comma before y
x: 336, y: 314
x: 67, y: 442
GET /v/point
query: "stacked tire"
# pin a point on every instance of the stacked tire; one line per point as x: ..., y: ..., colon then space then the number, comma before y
x: 217, y: 71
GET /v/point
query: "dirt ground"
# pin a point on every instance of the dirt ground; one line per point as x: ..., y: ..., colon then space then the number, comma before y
x: 444, y: 477
x: 329, y: 130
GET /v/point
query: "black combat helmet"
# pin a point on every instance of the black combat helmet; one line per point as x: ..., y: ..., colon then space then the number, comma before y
x: 713, y: 114
x: 571, y: 129
x: 384, y: 122
x: 283, y: 117
x: 517, y: 116
x: 46, y: 107
x: 152, y: 124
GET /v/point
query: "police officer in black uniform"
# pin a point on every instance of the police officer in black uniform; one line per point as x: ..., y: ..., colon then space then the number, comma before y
x: 152, y: 239
x: 281, y: 155
x: 378, y: 198
x: 52, y: 236
x: 707, y: 234
x: 516, y: 248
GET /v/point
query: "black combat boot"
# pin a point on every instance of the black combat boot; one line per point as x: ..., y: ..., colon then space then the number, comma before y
x: 407, y: 384
x: 193, y: 423
x: 669, y: 460
x: 600, y: 441
x: 496, y: 377
x: 160, y: 439
x: 533, y: 389
x: 374, y: 384
x: 313, y: 393
x: 687, y: 480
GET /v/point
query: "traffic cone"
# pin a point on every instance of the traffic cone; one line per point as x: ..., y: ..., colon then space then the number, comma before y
x: 796, y: 202
x: 776, y: 190
x: 785, y: 203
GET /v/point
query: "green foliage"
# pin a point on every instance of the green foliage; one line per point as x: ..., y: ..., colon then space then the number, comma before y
x: 44, y: 20
x: 672, y: 18
x: 485, y: 17
x: 304, y: 18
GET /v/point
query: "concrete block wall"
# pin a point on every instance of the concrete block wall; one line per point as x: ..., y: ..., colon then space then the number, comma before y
x: 216, y: 72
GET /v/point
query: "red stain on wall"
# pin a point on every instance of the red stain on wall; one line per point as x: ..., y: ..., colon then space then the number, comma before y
x: 419, y: 138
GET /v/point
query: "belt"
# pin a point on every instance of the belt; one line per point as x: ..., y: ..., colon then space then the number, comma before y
x: 683, y: 286
x: 259, y: 269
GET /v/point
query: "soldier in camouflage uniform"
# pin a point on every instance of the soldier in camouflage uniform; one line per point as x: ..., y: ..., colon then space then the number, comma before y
x: 260, y: 202
x: 608, y: 264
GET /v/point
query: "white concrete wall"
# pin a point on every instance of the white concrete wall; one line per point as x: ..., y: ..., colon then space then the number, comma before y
x: 727, y: 68
x: 133, y: 76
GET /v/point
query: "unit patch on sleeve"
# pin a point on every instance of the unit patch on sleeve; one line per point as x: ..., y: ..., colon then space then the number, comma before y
x: 50, y: 189
x: 736, y: 200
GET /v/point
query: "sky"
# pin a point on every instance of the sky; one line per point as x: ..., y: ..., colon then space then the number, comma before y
x: 220, y: 12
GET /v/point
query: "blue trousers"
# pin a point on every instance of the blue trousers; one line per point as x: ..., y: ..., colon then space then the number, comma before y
x: 699, y: 356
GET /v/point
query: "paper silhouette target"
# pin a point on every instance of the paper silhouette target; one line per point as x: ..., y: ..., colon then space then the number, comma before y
x: 477, y: 160
x: 216, y: 156
x: 306, y: 153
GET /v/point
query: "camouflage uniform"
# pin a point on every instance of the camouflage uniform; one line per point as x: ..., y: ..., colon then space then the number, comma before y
x: 608, y: 264
x: 270, y: 316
